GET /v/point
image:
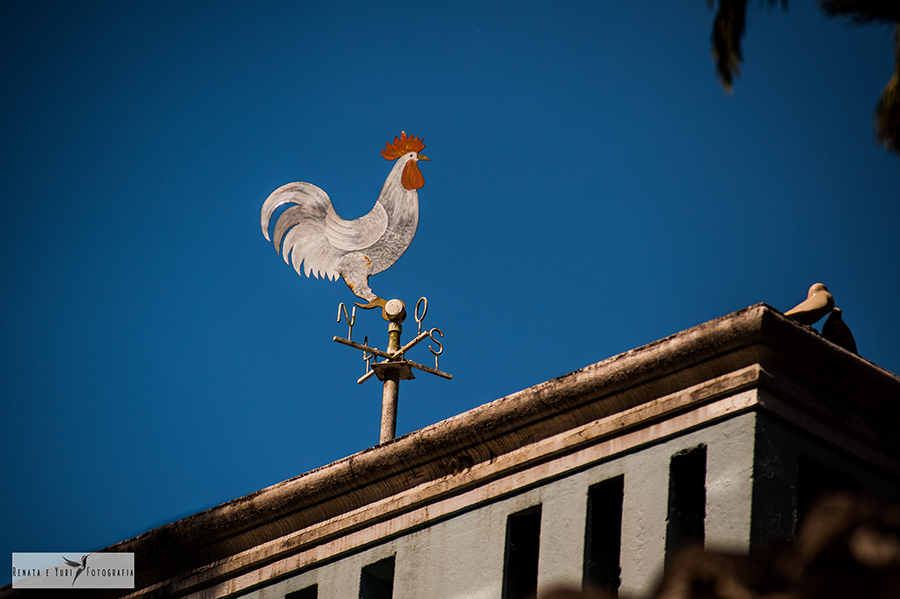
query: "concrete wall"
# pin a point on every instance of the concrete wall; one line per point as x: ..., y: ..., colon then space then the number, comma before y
x: 462, y: 555
x: 780, y: 446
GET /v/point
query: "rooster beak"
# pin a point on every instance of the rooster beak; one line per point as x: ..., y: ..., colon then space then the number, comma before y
x: 422, y: 157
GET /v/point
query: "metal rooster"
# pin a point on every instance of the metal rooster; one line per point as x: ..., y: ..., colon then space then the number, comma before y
x: 313, y: 234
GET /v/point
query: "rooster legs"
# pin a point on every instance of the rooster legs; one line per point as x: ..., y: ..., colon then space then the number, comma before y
x: 376, y: 303
x: 360, y: 288
x: 355, y: 270
x: 374, y: 300
x: 359, y: 285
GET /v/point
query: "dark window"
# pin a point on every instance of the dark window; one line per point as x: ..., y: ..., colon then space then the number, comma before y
x: 687, y: 499
x: 377, y: 580
x: 814, y: 479
x: 520, y: 564
x: 310, y: 592
x: 603, y: 535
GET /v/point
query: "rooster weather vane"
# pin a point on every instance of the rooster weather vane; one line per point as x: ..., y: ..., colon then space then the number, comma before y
x: 311, y: 237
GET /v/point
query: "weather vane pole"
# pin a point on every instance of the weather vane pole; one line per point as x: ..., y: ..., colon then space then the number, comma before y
x: 313, y: 238
x: 394, y: 367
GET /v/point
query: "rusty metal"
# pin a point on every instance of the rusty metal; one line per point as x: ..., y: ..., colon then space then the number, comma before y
x: 389, y: 398
x: 397, y: 357
x: 429, y: 370
x: 403, y: 368
x: 365, y: 348
x: 394, y: 367
x: 441, y: 350
x: 413, y: 343
x: 369, y: 374
x: 419, y: 319
x: 351, y: 319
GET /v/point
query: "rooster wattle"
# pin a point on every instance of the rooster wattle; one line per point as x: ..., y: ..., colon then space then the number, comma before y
x: 312, y: 234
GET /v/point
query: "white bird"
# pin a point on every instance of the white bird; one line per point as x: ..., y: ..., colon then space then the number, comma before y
x: 327, y: 245
x: 837, y: 331
x: 819, y: 302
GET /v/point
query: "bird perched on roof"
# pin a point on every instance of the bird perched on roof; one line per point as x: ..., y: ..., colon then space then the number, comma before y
x: 313, y: 234
x: 819, y: 302
x: 837, y: 331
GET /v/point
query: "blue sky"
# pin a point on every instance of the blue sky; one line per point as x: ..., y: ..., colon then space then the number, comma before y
x: 592, y: 189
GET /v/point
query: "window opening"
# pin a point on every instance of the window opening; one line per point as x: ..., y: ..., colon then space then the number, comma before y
x: 687, y: 499
x: 603, y: 535
x: 376, y: 581
x: 310, y: 592
x: 520, y: 564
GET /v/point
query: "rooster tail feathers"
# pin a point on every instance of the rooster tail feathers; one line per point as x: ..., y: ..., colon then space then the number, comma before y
x: 300, y: 245
x: 289, y: 218
x: 296, y: 193
x: 299, y: 234
x: 275, y: 200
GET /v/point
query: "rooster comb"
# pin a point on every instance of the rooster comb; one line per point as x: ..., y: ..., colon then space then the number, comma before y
x: 401, y: 146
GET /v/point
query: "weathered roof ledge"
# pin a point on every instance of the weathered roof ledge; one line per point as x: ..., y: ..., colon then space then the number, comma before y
x: 787, y: 356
